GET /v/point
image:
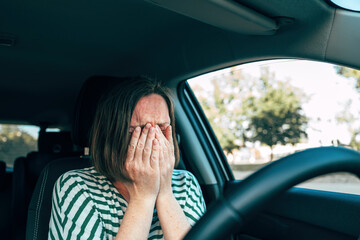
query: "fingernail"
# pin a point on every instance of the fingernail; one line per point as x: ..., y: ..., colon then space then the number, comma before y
x: 152, y: 130
x: 137, y: 129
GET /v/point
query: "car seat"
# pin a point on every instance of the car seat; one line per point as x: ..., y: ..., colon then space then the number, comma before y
x: 40, y: 205
x: 5, y: 201
x: 51, y: 145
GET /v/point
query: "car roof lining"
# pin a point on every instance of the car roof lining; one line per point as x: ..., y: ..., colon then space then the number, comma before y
x: 342, y: 48
x: 226, y: 14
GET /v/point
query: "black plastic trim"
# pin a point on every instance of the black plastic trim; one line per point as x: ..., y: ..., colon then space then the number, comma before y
x: 309, y: 212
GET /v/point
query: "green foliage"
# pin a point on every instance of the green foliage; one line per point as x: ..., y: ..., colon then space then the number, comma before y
x: 275, y: 117
x: 346, y: 116
x: 15, y: 143
x: 243, y: 109
x: 354, y: 142
x: 221, y: 106
x: 349, y: 73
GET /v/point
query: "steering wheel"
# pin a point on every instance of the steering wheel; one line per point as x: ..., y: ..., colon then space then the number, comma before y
x: 248, y: 197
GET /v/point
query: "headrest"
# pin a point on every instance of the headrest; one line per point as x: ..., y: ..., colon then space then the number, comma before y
x: 2, y: 168
x: 55, y: 142
x: 87, y: 101
x: 2, y: 174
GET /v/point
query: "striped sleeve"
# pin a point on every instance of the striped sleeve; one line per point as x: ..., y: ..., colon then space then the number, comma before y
x: 194, y: 205
x: 73, y: 214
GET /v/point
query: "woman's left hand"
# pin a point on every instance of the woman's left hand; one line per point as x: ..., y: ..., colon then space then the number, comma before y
x: 166, y: 160
x: 172, y: 218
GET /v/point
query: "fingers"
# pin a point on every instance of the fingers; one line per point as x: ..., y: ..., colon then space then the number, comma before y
x: 148, y: 145
x: 154, y: 159
x: 166, y: 141
x: 133, y: 143
x: 141, y: 142
x: 160, y: 136
x: 162, y: 154
x: 168, y: 134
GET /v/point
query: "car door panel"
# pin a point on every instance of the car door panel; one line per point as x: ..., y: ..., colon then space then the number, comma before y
x: 307, y: 214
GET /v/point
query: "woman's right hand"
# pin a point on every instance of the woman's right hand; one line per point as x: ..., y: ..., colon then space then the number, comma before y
x: 142, y: 165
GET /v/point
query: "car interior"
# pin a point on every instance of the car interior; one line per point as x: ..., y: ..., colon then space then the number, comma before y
x: 58, y: 57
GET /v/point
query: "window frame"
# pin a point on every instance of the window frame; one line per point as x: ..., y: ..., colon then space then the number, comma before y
x: 206, y: 135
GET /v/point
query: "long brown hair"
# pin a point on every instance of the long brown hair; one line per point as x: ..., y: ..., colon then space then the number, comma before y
x: 109, y: 138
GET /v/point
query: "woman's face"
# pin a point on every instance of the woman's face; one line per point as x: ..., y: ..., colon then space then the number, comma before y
x: 150, y: 109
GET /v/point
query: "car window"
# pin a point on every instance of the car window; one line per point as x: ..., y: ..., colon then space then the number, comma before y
x: 16, y: 141
x: 266, y: 110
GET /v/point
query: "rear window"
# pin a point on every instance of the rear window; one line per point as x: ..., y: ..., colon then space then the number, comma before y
x: 16, y: 141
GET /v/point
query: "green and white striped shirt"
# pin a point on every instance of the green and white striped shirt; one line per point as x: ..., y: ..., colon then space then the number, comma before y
x: 86, y: 205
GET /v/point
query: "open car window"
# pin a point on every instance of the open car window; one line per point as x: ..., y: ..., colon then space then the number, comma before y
x: 266, y: 110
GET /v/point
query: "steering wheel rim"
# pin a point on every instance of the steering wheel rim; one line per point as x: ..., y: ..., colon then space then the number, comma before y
x: 244, y: 199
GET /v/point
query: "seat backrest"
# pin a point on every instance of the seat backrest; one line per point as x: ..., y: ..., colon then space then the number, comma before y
x: 37, y: 226
x: 52, y: 145
x: 5, y: 201
x: 2, y: 174
x: 55, y: 142
x: 40, y: 205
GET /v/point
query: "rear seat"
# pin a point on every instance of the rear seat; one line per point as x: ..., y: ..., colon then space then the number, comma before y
x: 51, y: 145
x: 40, y: 206
x: 5, y: 201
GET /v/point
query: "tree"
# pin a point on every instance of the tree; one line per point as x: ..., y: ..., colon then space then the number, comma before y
x: 346, y: 116
x: 222, y: 106
x: 349, y: 73
x: 241, y: 108
x: 275, y: 116
x: 14, y: 143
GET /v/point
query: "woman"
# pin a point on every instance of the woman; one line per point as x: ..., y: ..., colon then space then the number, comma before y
x: 132, y: 191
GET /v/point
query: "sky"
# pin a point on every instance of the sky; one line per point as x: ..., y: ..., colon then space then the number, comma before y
x: 32, y: 130
x: 348, y: 4
x: 328, y: 93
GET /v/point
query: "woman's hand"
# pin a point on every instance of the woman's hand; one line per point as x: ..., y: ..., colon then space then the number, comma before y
x: 166, y: 160
x: 142, y: 165
x: 142, y: 168
x: 172, y: 218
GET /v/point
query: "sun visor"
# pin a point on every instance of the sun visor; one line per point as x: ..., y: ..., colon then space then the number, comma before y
x: 225, y: 14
